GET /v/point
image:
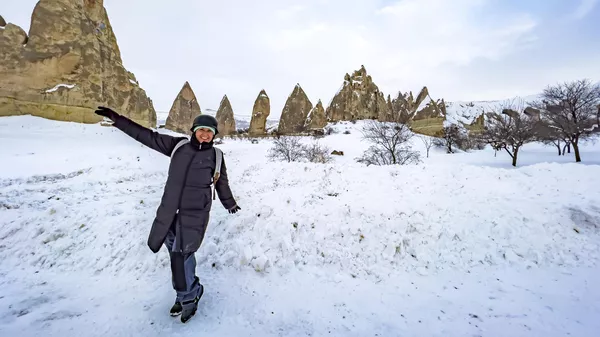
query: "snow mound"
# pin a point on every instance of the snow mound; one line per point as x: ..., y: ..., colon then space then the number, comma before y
x: 466, y: 112
x: 368, y: 222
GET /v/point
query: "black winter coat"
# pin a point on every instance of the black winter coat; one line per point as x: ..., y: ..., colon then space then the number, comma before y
x: 186, y: 200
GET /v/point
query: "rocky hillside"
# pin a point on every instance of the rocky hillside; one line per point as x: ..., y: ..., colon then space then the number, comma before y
x: 359, y: 98
x: 67, y: 65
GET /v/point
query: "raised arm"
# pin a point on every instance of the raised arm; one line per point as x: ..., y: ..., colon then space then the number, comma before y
x: 154, y: 140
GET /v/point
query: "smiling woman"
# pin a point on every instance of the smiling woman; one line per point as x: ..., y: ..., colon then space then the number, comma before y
x: 205, y: 128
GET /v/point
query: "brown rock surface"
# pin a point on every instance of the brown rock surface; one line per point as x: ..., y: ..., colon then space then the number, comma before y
x: 533, y: 112
x: 424, y: 114
x: 510, y: 112
x: 294, y: 113
x: 405, y: 107
x: 225, y: 118
x: 2, y: 22
x: 316, y: 118
x: 359, y: 98
x: 183, y: 111
x: 260, y: 113
x: 69, y: 64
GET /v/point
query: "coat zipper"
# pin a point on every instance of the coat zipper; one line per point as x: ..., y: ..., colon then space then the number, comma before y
x: 179, y: 228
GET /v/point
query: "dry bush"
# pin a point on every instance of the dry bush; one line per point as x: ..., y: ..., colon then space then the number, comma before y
x: 450, y: 136
x: 390, y: 144
x: 316, y: 153
x: 286, y: 149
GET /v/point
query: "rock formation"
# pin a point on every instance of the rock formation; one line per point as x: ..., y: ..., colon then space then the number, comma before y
x: 405, y: 107
x: 2, y: 22
x: 535, y: 113
x: 225, y: 118
x: 260, y: 113
x: 316, y: 118
x: 183, y: 111
x: 68, y: 65
x: 295, y: 112
x: 510, y: 112
x: 424, y: 114
x: 477, y: 125
x: 359, y: 98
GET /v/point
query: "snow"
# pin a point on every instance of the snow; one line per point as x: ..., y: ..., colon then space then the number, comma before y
x: 459, y: 245
x: 466, y: 112
x: 69, y: 86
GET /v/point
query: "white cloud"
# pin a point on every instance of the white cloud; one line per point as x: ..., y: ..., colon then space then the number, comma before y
x: 584, y: 8
x: 403, y: 44
x: 239, y: 47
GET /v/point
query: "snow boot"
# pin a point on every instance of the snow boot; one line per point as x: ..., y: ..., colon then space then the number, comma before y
x: 176, y: 309
x: 189, y: 307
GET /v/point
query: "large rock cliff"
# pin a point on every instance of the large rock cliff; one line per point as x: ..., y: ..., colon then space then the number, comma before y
x: 359, y: 98
x: 295, y: 112
x: 225, y: 118
x: 183, y: 111
x: 260, y: 113
x: 316, y: 118
x: 68, y: 65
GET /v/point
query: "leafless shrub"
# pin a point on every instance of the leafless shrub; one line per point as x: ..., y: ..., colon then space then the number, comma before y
x: 379, y: 156
x: 316, y: 153
x: 286, y: 149
x: 427, y: 141
x: 449, y: 136
x: 389, y: 144
x: 330, y: 131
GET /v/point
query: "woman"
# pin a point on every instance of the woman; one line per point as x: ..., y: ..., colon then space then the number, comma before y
x: 183, y: 213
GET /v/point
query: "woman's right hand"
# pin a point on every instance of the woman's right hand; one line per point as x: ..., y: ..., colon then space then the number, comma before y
x: 107, y: 112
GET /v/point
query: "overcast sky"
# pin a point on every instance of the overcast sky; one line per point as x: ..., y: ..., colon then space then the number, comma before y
x: 460, y: 49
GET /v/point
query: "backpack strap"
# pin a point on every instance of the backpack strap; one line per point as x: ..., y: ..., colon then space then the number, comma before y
x: 178, y: 145
x: 217, y: 174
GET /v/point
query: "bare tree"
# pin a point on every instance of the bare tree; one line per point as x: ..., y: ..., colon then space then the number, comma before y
x: 390, y: 144
x: 427, y: 141
x: 552, y: 136
x: 286, y: 149
x: 509, y: 130
x: 451, y: 135
x: 570, y: 109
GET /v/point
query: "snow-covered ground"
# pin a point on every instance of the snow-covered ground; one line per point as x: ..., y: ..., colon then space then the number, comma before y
x: 466, y: 112
x: 460, y: 245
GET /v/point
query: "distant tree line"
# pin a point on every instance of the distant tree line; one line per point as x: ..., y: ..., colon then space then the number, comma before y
x: 565, y: 115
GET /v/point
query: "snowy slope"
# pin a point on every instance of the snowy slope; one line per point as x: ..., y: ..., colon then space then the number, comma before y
x: 466, y: 112
x: 458, y: 245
